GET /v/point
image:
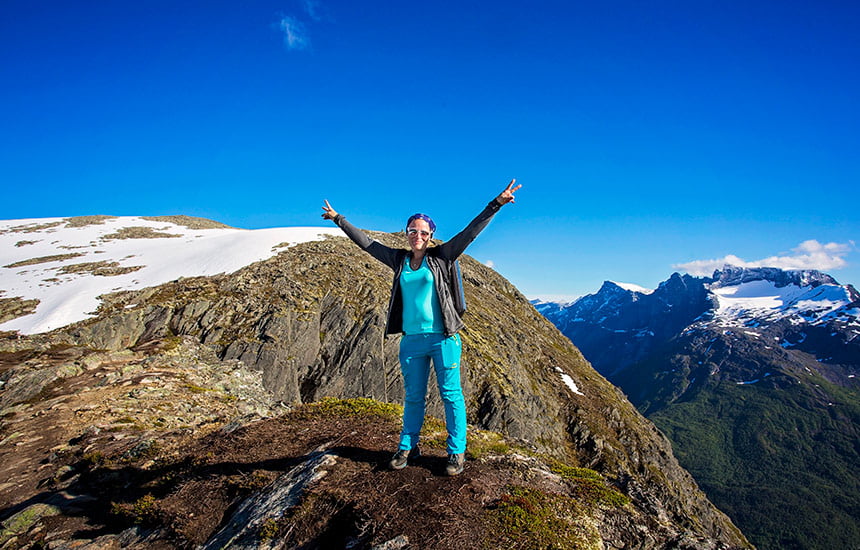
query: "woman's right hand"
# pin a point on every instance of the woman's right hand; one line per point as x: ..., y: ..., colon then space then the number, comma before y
x: 329, y: 213
x: 507, y: 195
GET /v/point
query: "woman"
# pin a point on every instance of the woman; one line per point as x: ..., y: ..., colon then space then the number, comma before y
x: 422, y: 309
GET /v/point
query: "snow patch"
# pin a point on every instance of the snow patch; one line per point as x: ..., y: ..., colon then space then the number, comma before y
x: 751, y: 302
x: 568, y: 381
x: 56, y: 262
x: 633, y: 288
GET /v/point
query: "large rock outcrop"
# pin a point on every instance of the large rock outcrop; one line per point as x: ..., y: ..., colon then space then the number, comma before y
x: 310, y: 322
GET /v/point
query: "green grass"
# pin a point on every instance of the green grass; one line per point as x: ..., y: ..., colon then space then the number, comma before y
x: 269, y: 529
x: 143, y: 511
x: 588, y: 486
x: 529, y: 519
x: 355, y: 407
x: 481, y: 443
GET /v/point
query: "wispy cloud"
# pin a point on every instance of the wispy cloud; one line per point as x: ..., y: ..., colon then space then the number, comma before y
x: 295, y: 34
x: 312, y: 8
x: 296, y: 26
x: 809, y: 254
x: 490, y: 263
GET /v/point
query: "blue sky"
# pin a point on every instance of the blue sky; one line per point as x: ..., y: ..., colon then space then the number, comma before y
x: 649, y: 137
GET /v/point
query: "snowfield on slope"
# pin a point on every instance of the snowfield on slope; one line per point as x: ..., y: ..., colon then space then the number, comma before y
x: 67, y: 263
x: 764, y: 300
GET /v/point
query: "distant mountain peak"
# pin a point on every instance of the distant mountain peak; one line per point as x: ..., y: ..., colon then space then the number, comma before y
x: 618, y: 318
x: 767, y: 294
x: 733, y: 275
x: 611, y: 287
x: 630, y: 287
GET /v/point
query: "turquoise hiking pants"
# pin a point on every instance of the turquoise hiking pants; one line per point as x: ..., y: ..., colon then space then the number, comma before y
x: 416, y: 351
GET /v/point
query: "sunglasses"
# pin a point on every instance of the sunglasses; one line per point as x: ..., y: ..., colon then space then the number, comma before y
x: 412, y: 231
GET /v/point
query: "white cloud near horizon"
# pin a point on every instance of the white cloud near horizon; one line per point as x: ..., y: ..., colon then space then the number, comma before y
x: 490, y: 263
x: 561, y: 299
x: 809, y: 254
x: 295, y: 34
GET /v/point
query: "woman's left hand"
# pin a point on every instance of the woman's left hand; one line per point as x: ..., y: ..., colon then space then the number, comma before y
x: 507, y: 195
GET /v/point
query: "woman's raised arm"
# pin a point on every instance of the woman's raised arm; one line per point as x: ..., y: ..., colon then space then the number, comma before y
x: 388, y: 256
x: 458, y: 243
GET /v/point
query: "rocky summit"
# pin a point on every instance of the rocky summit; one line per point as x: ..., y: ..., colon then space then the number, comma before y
x: 752, y: 373
x: 254, y: 409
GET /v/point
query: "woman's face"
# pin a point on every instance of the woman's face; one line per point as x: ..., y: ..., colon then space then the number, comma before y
x: 418, y: 234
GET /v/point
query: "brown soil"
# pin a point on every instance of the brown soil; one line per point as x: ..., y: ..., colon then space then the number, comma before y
x: 101, y: 269
x: 195, y: 489
x: 45, y: 260
x: 139, y: 232
x: 153, y: 440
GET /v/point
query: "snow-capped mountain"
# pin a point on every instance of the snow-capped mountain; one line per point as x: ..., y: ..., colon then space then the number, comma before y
x: 743, y: 325
x: 752, y: 374
x: 619, y: 325
x: 745, y: 297
x: 57, y: 268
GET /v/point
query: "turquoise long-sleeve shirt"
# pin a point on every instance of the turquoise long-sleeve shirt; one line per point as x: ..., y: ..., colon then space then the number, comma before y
x: 422, y: 313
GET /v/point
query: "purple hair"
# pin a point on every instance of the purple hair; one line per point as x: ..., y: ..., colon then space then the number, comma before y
x: 424, y: 217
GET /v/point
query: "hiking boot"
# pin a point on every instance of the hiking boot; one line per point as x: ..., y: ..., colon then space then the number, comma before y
x: 456, y: 462
x: 401, y: 458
